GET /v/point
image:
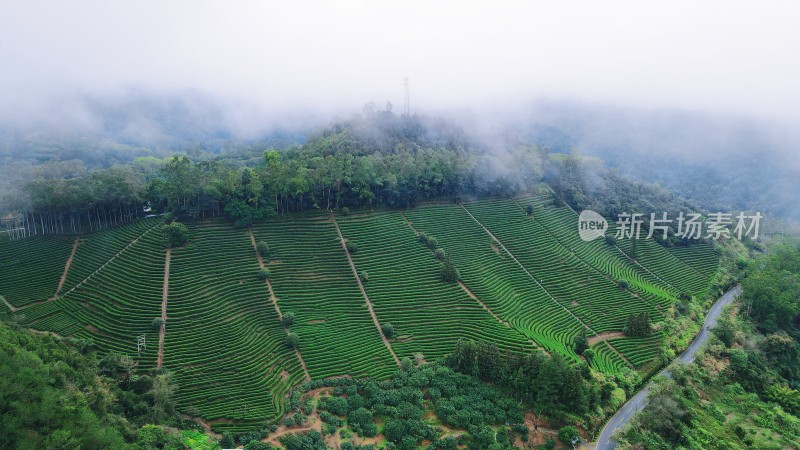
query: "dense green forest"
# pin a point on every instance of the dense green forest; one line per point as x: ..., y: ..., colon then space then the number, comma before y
x: 59, y: 394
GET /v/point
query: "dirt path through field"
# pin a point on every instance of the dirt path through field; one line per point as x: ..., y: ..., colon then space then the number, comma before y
x: 603, y: 337
x: 10, y: 306
x: 112, y: 258
x: 363, y: 291
x: 463, y: 286
x: 500, y: 243
x: 483, y: 305
x: 274, y: 300
x: 66, y: 267
x: 164, y: 295
x: 469, y: 292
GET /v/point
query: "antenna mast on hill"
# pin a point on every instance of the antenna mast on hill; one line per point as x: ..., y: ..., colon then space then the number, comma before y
x: 407, y: 105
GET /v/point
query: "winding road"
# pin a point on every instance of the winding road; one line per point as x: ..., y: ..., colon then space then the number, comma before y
x: 623, y: 416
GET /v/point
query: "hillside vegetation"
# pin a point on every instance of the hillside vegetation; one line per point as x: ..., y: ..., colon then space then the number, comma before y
x: 381, y: 241
x: 524, y: 285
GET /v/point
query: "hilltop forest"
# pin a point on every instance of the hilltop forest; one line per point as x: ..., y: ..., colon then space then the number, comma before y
x: 378, y: 159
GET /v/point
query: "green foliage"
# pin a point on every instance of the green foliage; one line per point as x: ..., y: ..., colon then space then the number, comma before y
x: 262, y: 248
x: 638, y: 325
x: 785, y: 396
x: 458, y: 401
x: 288, y: 319
x: 56, y: 397
x: 363, y: 276
x: 440, y: 254
x: 388, y: 330
x: 337, y: 406
x: 153, y: 436
x: 157, y: 323
x: 264, y: 273
x: 227, y: 440
x: 308, y: 441
x: 773, y: 289
x: 569, y: 435
x: 175, y: 234
x: 623, y: 284
x: 550, y: 382
x: 725, y: 331
x: 351, y: 247
x: 292, y: 340
x: 449, y: 272
x: 256, y: 445
x: 581, y: 343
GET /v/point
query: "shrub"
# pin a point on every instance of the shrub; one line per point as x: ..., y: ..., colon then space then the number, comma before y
x: 263, y: 273
x: 175, y: 234
x: 337, y: 406
x: 611, y: 240
x: 288, y: 421
x: 363, y: 276
x: 351, y: 247
x: 292, y: 340
x: 288, y: 319
x: 440, y: 254
x: 395, y: 430
x: 449, y: 272
x: 328, y: 429
x: 569, y: 434
x: 157, y: 323
x: 423, y: 238
x: 581, y: 343
x: 638, y: 325
x: 432, y: 243
x: 529, y: 210
x: 227, y: 440
x: 623, y: 284
x: 388, y: 330
x: 262, y: 248
x: 406, y: 364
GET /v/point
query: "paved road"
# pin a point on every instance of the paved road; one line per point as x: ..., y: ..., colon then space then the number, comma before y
x: 623, y: 416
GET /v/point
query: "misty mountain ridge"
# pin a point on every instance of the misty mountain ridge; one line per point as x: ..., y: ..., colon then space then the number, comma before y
x: 704, y: 158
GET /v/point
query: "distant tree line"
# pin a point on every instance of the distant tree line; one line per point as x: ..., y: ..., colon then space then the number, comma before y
x: 375, y: 159
x: 379, y: 159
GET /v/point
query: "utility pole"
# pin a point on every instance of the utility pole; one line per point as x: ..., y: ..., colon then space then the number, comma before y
x: 141, y: 344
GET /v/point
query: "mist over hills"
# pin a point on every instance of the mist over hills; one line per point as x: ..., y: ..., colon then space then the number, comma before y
x: 725, y: 163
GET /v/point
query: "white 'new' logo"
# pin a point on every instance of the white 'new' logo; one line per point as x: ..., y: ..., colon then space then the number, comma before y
x: 591, y: 225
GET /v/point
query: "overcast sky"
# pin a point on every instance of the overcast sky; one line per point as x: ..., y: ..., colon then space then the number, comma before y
x: 732, y: 56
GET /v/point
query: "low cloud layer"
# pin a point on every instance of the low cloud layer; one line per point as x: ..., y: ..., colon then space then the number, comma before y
x: 734, y: 57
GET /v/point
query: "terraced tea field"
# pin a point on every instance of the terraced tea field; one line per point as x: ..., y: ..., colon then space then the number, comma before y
x: 223, y: 336
x: 428, y: 314
x: 312, y: 279
x: 527, y: 283
x: 32, y: 267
